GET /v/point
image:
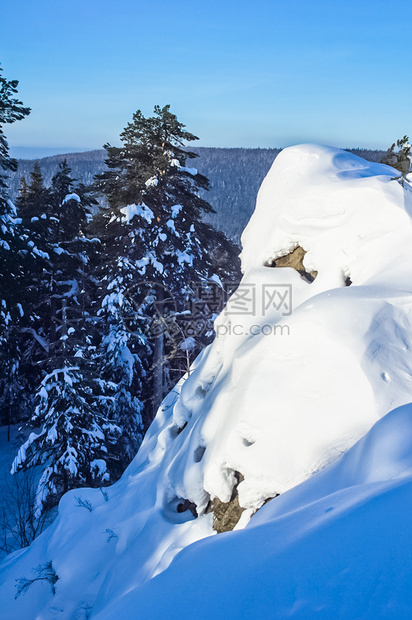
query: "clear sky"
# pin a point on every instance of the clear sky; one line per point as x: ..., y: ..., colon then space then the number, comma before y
x: 255, y: 73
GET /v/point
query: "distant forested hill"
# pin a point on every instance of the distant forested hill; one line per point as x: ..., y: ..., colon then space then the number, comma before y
x: 235, y: 176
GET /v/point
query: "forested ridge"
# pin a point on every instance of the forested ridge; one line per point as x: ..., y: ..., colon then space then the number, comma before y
x: 235, y: 175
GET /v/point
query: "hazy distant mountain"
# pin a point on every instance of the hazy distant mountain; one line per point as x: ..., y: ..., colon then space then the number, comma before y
x: 38, y: 152
x: 235, y: 176
x: 84, y: 166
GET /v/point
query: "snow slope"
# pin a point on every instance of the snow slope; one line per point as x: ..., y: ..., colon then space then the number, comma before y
x: 336, y: 546
x: 298, y: 373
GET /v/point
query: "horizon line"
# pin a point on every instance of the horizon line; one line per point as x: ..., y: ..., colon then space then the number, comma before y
x: 62, y: 151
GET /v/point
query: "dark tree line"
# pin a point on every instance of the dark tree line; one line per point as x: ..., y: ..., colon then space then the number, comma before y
x: 96, y: 321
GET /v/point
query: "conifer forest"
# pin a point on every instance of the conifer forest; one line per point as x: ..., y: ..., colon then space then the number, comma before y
x: 103, y: 308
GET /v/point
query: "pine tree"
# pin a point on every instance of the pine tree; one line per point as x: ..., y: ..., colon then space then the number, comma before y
x: 35, y: 228
x: 75, y: 439
x: 34, y: 204
x: 24, y: 190
x: 55, y: 220
x: 399, y: 156
x: 11, y: 110
x: 161, y: 246
x: 13, y: 256
x: 76, y: 436
x: 122, y: 372
x: 122, y: 350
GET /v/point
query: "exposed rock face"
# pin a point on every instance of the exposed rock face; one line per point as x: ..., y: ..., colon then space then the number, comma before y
x: 226, y: 515
x: 294, y: 260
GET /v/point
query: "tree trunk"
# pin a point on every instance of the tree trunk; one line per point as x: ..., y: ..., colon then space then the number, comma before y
x: 158, y: 356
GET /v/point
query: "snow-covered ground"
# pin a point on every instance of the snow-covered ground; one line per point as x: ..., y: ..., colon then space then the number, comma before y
x: 336, y: 546
x: 300, y: 371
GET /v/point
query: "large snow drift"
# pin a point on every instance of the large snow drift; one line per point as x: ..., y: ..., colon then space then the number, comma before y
x: 300, y: 370
x: 336, y: 546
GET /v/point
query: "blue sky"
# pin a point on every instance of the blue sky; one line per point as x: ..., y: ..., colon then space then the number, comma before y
x: 260, y: 73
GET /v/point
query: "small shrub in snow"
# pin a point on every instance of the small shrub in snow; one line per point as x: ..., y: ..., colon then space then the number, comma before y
x: 111, y: 534
x: 84, y: 503
x: 44, y: 572
x: 105, y: 494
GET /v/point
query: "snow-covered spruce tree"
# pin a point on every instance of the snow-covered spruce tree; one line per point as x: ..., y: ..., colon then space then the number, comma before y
x: 158, y: 247
x: 74, y: 442
x: 75, y: 437
x: 121, y: 355
x: 14, y: 253
x: 54, y: 220
x: 34, y: 202
x: 35, y: 226
x: 399, y: 156
x: 11, y: 110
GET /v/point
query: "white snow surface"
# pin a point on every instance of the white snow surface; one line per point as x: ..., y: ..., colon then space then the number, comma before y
x: 336, y: 546
x: 298, y: 373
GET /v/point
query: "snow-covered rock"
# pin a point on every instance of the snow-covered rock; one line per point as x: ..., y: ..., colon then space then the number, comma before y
x: 298, y: 373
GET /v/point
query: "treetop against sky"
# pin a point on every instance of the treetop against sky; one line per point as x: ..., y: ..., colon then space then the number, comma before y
x: 238, y: 73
